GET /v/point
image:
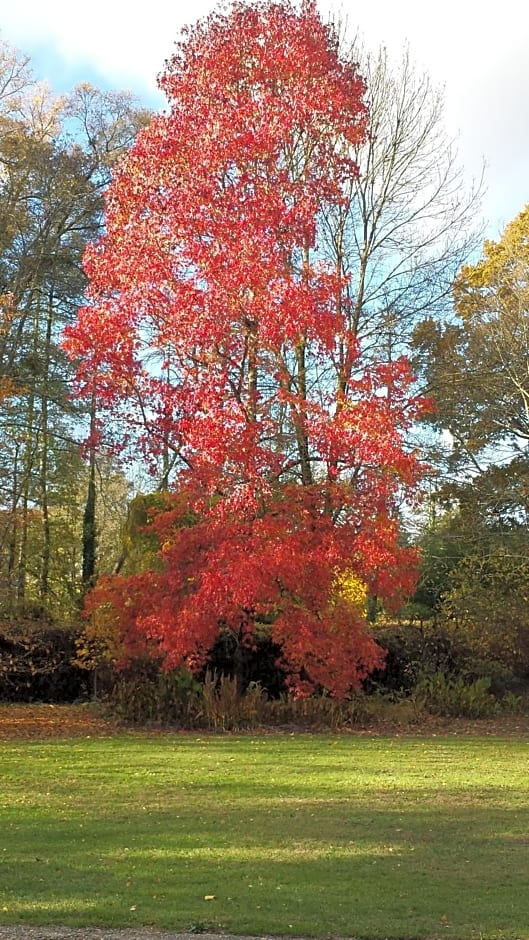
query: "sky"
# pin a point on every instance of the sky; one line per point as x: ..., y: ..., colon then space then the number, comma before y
x: 478, y: 51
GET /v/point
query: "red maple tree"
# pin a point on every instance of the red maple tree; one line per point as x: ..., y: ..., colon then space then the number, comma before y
x: 218, y: 331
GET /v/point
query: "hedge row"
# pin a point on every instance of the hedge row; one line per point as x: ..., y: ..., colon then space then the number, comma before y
x: 38, y: 663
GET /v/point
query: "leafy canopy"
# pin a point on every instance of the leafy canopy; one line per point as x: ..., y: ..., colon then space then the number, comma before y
x: 221, y: 333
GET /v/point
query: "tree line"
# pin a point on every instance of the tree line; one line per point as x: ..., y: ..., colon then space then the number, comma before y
x: 221, y: 249
x: 56, y: 158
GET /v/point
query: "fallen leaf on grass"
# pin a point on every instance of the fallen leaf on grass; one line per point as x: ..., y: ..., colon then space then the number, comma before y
x: 21, y: 722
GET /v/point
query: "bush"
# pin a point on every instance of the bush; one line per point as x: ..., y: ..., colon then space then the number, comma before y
x: 454, y: 698
x: 414, y: 651
x: 503, y: 681
x: 317, y: 713
x: 251, y: 662
x: 143, y: 696
x: 487, y: 603
x: 225, y: 708
x: 37, y: 663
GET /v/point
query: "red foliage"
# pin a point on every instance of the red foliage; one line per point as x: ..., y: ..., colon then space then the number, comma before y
x: 218, y: 329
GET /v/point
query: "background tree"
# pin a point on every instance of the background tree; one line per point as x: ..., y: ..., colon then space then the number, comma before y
x: 55, y: 159
x: 407, y: 222
x: 477, y: 364
x: 477, y: 370
x: 220, y: 329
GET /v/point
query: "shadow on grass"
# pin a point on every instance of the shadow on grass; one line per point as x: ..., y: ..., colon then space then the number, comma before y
x: 423, y: 869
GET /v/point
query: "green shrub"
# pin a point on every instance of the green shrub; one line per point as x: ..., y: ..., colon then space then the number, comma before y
x: 413, y: 651
x: 503, y: 680
x: 513, y: 704
x: 454, y: 698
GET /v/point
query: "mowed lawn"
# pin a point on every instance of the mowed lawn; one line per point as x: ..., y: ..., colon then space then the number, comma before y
x: 316, y: 835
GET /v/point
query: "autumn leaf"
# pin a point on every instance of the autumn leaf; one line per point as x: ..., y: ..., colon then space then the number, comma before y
x: 219, y: 333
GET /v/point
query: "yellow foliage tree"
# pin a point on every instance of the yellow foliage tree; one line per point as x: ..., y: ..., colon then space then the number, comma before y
x: 353, y: 590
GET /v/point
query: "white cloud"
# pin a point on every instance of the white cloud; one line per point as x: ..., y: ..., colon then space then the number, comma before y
x: 111, y: 37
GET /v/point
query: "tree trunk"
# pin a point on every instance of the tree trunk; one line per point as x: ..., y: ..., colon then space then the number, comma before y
x: 43, y: 481
x: 89, y: 517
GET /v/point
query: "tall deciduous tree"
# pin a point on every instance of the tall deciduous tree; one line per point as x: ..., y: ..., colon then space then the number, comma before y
x: 220, y: 330
x: 55, y: 159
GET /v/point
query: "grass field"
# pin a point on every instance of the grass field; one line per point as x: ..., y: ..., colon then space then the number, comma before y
x: 276, y: 834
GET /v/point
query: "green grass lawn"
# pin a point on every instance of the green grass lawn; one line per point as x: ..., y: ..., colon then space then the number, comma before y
x: 276, y: 834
